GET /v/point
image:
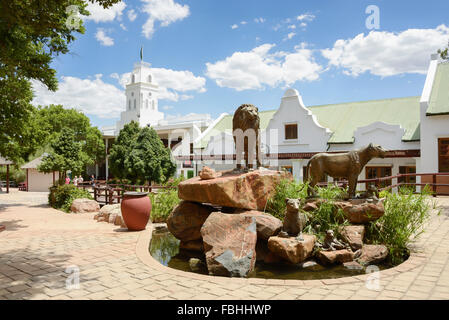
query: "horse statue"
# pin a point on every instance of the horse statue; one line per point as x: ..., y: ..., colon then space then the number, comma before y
x: 342, y: 165
x: 245, y: 128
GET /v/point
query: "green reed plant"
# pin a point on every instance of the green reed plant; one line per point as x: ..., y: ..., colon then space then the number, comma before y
x: 286, y: 189
x: 405, y: 217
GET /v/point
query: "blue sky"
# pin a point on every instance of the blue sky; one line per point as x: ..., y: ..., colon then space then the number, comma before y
x: 211, y: 56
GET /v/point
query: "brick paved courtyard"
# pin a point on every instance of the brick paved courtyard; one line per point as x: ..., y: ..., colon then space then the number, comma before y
x: 39, y: 243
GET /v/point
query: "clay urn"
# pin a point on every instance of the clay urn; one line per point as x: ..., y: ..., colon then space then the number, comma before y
x: 136, y: 209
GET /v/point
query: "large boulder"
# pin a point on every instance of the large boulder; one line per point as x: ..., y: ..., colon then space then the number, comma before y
x: 267, y: 225
x: 373, y: 254
x: 291, y: 249
x: 361, y: 213
x: 84, y: 205
x: 353, y: 235
x: 230, y: 244
x: 249, y: 190
x: 193, y: 245
x: 186, y: 220
x: 337, y: 256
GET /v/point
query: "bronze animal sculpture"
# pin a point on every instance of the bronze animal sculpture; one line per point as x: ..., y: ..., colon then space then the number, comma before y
x: 331, y: 243
x: 294, y: 221
x: 342, y: 165
x: 370, y: 193
x: 245, y: 128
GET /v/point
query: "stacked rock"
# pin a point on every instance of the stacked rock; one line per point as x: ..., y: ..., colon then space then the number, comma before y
x: 229, y: 239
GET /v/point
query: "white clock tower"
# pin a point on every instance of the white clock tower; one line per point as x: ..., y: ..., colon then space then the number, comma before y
x: 141, y: 98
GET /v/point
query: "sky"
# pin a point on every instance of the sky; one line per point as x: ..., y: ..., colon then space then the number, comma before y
x: 210, y: 56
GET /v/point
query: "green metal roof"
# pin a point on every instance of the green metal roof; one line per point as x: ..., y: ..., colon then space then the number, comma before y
x: 344, y: 118
x: 226, y: 124
x: 439, y: 98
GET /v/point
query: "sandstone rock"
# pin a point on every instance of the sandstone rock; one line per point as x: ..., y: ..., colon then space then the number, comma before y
x: 267, y: 225
x: 112, y: 217
x: 373, y: 254
x: 111, y: 209
x: 101, y: 219
x: 353, y: 235
x: 194, y: 245
x: 196, y: 265
x: 2, y: 228
x: 84, y: 205
x: 352, y: 265
x: 186, y: 220
x: 118, y: 220
x: 96, y: 216
x: 232, y: 189
x: 230, y: 244
x: 291, y: 249
x: 271, y: 257
x: 337, y: 256
x: 207, y: 173
x: 310, y: 206
x: 362, y: 213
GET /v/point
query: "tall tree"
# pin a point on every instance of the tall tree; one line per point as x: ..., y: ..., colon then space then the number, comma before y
x: 444, y: 54
x: 122, y: 148
x: 139, y: 155
x: 32, y: 33
x: 66, y: 155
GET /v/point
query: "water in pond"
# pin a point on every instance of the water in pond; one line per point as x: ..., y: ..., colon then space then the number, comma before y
x: 164, y: 248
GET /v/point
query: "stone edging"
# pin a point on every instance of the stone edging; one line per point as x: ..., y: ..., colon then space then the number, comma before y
x: 143, y: 253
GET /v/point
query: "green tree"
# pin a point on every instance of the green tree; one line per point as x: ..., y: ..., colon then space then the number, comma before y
x: 139, y: 155
x: 444, y: 54
x: 122, y: 148
x: 54, y: 118
x: 32, y: 33
x: 67, y: 155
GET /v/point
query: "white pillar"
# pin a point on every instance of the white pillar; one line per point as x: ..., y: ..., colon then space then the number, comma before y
x: 107, y: 158
x: 395, y: 172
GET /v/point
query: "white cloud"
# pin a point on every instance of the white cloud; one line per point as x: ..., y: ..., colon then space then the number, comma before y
x: 103, y: 38
x: 305, y: 17
x: 164, y: 11
x: 188, y: 117
x: 91, y: 96
x: 290, y: 35
x: 243, y: 22
x: 132, y: 15
x: 99, y: 14
x: 172, y: 84
x: 234, y: 26
x: 259, y: 20
x: 303, y: 24
x: 385, y: 53
x: 258, y: 68
x: 292, y: 26
x: 167, y: 107
x: 123, y: 27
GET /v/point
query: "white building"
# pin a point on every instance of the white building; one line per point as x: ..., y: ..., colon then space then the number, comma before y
x: 142, y: 107
x: 415, y: 130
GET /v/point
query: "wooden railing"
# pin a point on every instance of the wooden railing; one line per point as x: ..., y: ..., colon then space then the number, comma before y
x: 436, y: 187
x: 113, y: 193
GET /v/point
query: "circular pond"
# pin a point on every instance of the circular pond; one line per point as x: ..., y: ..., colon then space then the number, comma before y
x: 164, y: 247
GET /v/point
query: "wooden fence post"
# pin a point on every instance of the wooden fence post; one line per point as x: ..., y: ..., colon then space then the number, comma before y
x: 434, y: 180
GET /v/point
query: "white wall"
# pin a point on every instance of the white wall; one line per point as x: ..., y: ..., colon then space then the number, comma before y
x: 432, y: 127
x: 40, y: 182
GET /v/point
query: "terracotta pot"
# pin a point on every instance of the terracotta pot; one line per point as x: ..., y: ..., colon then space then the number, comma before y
x: 136, y: 209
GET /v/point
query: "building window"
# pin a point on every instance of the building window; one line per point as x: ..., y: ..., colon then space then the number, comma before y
x: 146, y: 102
x: 191, y: 148
x: 133, y: 78
x: 407, y: 179
x: 129, y: 104
x: 149, y: 78
x: 134, y: 103
x: 152, y: 104
x: 291, y: 131
x: 443, y: 155
x: 378, y: 172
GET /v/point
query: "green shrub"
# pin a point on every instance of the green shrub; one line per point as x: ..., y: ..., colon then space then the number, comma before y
x: 404, y: 219
x: 285, y: 189
x: 165, y: 201
x: 61, y: 197
x: 163, y: 204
